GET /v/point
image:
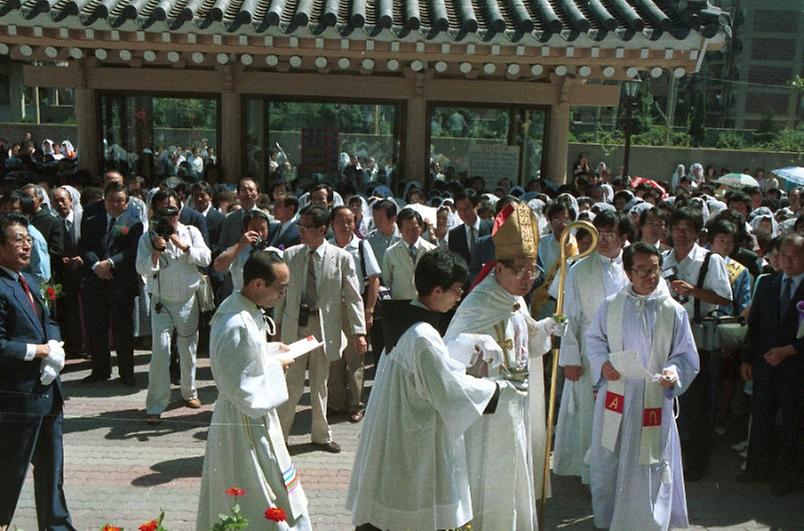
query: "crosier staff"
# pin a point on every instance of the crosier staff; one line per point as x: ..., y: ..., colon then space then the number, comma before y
x: 562, y: 277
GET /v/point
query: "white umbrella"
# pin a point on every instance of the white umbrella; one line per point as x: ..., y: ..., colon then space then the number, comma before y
x: 737, y: 180
x: 792, y: 176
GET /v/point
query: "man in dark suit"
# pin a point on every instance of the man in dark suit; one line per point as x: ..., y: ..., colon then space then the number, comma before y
x: 774, y: 359
x: 70, y: 274
x: 202, y: 202
x: 286, y: 233
x: 47, y: 223
x: 30, y: 390
x: 463, y: 239
x: 247, y: 192
x: 109, y: 244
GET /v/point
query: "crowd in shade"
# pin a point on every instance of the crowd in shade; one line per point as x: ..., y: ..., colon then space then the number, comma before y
x: 449, y: 286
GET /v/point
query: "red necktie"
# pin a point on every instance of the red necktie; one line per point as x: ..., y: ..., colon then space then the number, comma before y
x: 36, y: 308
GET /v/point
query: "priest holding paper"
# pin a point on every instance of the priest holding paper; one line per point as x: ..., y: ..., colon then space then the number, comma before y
x: 410, y: 469
x: 505, y: 451
x: 245, y: 445
x: 643, y: 356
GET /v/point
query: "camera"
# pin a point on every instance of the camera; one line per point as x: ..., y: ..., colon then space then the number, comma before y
x: 669, y: 275
x: 260, y: 245
x: 162, y: 226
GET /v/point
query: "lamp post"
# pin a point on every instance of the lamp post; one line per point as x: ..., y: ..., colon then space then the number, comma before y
x: 630, y: 89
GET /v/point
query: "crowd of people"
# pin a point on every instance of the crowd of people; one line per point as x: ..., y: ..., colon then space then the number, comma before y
x: 691, y: 296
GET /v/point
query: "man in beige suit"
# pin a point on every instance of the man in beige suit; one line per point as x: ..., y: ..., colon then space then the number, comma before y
x: 399, y: 262
x: 323, y: 299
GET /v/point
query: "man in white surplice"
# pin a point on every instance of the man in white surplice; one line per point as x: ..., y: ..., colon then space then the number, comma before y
x: 636, y: 470
x: 410, y: 469
x: 245, y: 445
x: 589, y: 282
x: 505, y: 451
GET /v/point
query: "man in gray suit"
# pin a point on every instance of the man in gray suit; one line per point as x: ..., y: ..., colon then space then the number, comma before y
x: 323, y: 283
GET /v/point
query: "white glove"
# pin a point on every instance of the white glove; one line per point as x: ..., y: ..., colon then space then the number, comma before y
x: 467, y: 348
x: 508, y: 391
x: 670, y: 374
x: 553, y: 327
x: 53, y: 363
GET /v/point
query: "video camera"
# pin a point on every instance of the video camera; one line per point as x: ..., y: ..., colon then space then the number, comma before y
x: 162, y: 225
x: 669, y: 275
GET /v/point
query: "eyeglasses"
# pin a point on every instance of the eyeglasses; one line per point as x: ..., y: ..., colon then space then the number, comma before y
x: 281, y: 289
x: 19, y: 240
x: 646, y: 273
x: 523, y: 272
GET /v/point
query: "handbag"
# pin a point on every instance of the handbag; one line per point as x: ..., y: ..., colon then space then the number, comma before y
x: 205, y: 295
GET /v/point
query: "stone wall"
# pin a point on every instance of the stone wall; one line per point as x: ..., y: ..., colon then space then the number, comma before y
x: 660, y: 162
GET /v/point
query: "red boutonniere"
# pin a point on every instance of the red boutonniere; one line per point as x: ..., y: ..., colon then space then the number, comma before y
x: 275, y: 514
x: 51, y: 292
x: 110, y: 527
x: 124, y: 230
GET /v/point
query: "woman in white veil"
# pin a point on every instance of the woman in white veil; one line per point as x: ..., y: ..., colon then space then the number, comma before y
x: 359, y: 206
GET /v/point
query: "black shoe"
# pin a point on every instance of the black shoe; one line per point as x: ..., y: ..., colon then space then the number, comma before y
x: 750, y: 477
x: 94, y: 378
x: 175, y: 380
x: 331, y: 447
x: 128, y: 380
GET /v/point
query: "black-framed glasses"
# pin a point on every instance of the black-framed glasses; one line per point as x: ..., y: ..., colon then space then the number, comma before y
x: 644, y: 273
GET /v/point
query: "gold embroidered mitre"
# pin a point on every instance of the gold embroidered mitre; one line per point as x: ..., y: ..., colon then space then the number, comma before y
x: 518, y: 235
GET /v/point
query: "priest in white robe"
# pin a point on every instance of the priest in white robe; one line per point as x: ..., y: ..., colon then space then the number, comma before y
x: 410, y: 468
x: 245, y: 446
x: 636, y: 469
x: 505, y: 451
x: 589, y: 282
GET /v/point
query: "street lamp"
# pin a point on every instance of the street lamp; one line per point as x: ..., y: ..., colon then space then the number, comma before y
x: 630, y: 89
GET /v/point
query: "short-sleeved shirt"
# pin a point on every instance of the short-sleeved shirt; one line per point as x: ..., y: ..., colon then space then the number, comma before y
x: 717, y: 277
x: 372, y: 266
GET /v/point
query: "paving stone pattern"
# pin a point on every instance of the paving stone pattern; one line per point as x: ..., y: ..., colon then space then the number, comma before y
x: 120, y: 470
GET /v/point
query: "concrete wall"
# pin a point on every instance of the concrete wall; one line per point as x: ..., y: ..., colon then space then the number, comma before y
x: 660, y: 162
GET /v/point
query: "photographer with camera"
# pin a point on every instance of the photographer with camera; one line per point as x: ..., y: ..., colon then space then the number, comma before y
x: 699, y: 281
x: 169, y: 257
x: 256, y: 228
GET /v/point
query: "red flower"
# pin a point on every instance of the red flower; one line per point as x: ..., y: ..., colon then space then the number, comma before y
x: 141, y: 115
x: 51, y: 293
x: 275, y: 514
x: 123, y: 230
x: 235, y: 491
x: 153, y: 525
x: 110, y: 527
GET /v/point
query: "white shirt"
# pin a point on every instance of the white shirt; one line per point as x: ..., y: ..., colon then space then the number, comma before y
x: 717, y: 278
x: 175, y: 277
x: 469, y: 236
x: 353, y: 248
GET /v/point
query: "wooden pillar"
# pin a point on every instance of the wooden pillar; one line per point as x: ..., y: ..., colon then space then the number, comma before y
x: 89, y: 138
x: 557, y: 143
x: 416, y: 148
x: 232, y: 143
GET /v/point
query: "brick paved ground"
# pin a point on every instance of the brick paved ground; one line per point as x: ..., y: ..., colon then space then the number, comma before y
x: 120, y: 470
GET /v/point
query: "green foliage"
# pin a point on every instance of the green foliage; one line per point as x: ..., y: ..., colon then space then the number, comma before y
x: 659, y: 135
x: 786, y: 140
x: 232, y: 521
x: 184, y: 113
x: 730, y: 140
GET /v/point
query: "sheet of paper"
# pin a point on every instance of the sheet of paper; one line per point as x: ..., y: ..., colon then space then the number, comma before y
x: 628, y: 364
x: 301, y: 347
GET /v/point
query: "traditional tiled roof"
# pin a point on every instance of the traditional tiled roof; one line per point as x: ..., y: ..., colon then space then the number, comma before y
x: 443, y: 20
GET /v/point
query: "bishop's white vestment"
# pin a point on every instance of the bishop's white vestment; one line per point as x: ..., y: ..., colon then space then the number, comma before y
x: 245, y: 446
x: 410, y: 468
x: 589, y: 282
x: 636, y: 470
x: 505, y: 451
